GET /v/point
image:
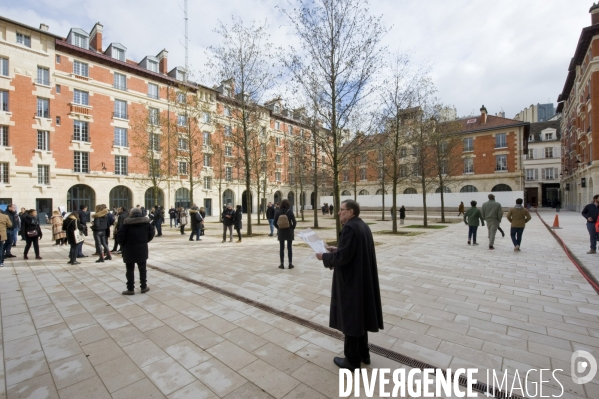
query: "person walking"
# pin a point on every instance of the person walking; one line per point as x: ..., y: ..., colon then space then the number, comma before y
x: 590, y: 212
x: 83, y: 221
x: 99, y: 226
x: 471, y: 218
x: 461, y: 209
x: 134, y: 236
x: 331, y: 209
x: 172, y: 213
x: 122, y: 215
x: 72, y: 224
x: 182, y: 219
x: 203, y: 215
x: 228, y: 217
x: 285, y: 223
x: 492, y: 214
x: 158, y: 219
x: 518, y: 216
x: 58, y: 234
x: 5, y: 224
x: 402, y: 214
x: 11, y: 212
x: 355, y: 295
x: 33, y: 233
x: 237, y: 222
x: 196, y: 223
x: 270, y: 216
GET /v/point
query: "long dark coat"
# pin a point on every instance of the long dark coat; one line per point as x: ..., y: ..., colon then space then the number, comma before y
x: 69, y: 225
x: 31, y: 223
x: 355, y: 296
x: 238, y: 222
x: 196, y: 219
x: 285, y: 234
x: 133, y: 236
x: 402, y: 213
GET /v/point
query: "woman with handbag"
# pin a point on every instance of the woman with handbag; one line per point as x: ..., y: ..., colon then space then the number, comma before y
x: 58, y: 234
x: 33, y: 233
x: 99, y: 226
x: 182, y: 219
x: 74, y: 228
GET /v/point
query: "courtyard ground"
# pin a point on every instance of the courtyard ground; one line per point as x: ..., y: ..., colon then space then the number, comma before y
x: 68, y: 332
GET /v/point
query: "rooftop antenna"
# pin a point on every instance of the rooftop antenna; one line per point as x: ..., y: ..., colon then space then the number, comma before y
x: 186, y: 43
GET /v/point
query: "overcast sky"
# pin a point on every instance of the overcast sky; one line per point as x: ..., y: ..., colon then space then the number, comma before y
x: 504, y: 54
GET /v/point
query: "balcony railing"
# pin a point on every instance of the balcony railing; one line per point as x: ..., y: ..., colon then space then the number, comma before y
x: 80, y: 109
x: 84, y: 139
x: 43, y: 114
x: 121, y: 115
x: 121, y: 143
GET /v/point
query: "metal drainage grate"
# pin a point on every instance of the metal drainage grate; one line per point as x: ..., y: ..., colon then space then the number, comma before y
x: 398, y: 357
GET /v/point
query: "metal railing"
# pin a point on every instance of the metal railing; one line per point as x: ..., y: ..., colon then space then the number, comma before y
x: 78, y: 137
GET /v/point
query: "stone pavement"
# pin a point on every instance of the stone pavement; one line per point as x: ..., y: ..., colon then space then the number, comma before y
x: 67, y: 331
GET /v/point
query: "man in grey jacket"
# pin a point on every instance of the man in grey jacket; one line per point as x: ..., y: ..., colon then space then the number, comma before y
x: 492, y: 214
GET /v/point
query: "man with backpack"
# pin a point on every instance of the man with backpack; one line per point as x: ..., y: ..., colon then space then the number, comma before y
x: 285, y: 224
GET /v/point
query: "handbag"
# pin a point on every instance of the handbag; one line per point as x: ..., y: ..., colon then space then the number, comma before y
x: 79, y: 237
x: 32, y: 233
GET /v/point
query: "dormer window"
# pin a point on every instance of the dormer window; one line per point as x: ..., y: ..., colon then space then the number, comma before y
x: 79, y: 40
x: 78, y: 37
x: 227, y: 92
x: 548, y: 136
x: 118, y: 54
x: 178, y: 73
x: 277, y: 109
x: 531, y: 138
x: 153, y: 66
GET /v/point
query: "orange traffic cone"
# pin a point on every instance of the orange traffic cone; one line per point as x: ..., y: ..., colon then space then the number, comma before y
x: 556, y: 223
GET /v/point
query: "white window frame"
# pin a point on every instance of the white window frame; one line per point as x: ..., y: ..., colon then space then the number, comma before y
x: 81, y: 69
x: 207, y: 183
x: 118, y: 54
x: 228, y: 131
x: 278, y: 175
x: 277, y: 125
x: 4, y: 176
x: 468, y: 144
x: 501, y: 140
x: 23, y: 39
x: 43, y: 108
x: 43, y: 175
x: 152, y: 66
x: 4, y: 104
x: 81, y: 131
x: 120, y: 137
x: 501, y: 163
x: 227, y: 111
x: 228, y: 173
x: 120, y: 165
x: 182, y: 143
x: 153, y: 116
x: 228, y: 151
x: 4, y: 66
x: 207, y: 160
x: 80, y: 97
x: 207, y: 139
x: 152, y: 90
x: 363, y: 174
x: 81, y: 162
x: 181, y: 120
x: 80, y: 40
x: 120, y: 81
x: 205, y: 117
x: 182, y: 168
x: 43, y: 140
x: 3, y: 136
x: 43, y: 76
x: 530, y: 174
x: 120, y: 109
x: 155, y: 142
x: 548, y: 152
x: 468, y: 165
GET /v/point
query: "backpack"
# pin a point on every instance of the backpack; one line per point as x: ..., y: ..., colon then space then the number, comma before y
x: 597, y: 226
x: 283, y: 221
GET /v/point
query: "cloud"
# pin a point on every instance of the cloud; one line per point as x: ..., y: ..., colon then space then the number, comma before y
x: 506, y: 55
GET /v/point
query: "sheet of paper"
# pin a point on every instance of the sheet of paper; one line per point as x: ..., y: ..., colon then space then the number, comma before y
x: 312, y: 239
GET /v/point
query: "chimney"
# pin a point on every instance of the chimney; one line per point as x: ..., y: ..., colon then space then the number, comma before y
x: 594, y: 11
x: 44, y: 27
x: 483, y: 115
x: 95, y: 37
x: 162, y: 61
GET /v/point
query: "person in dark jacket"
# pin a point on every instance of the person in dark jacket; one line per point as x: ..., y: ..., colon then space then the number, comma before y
x: 122, y: 215
x: 590, y: 213
x: 83, y: 221
x: 203, y: 214
x: 172, y: 214
x: 228, y: 217
x: 33, y: 233
x: 285, y: 234
x: 158, y: 219
x: 471, y: 219
x: 134, y: 236
x: 99, y: 226
x: 70, y: 225
x: 270, y: 216
x: 11, y: 212
x: 196, y: 223
x: 402, y: 214
x: 331, y: 209
x: 355, y: 295
x: 110, y: 219
x: 238, y: 222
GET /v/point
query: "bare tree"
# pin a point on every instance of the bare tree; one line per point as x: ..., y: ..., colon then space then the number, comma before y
x: 335, y: 67
x: 150, y: 140
x: 245, y: 60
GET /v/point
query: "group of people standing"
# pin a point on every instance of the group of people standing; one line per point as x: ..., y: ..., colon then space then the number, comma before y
x: 327, y: 208
x: 24, y: 224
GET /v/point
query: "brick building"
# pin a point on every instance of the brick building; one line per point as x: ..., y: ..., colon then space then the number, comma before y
x: 575, y: 103
x: 70, y: 108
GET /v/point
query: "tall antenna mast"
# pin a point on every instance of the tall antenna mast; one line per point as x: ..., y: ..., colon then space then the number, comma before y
x: 186, y: 42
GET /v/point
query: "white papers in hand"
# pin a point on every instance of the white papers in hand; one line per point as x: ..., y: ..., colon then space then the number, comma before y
x: 312, y: 239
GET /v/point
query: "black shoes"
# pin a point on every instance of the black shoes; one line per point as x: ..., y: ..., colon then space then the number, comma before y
x: 100, y: 260
x: 10, y: 255
x: 366, y: 360
x: 291, y: 266
x: 342, y: 363
x: 281, y: 266
x: 128, y: 292
x: 491, y: 247
x: 144, y: 290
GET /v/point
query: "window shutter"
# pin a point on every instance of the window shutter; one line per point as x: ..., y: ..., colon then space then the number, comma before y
x: 543, y: 174
x: 536, y: 174
x: 557, y: 152
x: 555, y: 173
x: 535, y: 153
x: 541, y: 153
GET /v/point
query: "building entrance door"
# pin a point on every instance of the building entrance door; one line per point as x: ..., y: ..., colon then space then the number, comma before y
x: 44, y: 208
x: 208, y: 206
x: 532, y: 195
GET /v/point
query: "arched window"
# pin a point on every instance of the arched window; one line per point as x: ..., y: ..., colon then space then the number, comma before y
x: 182, y: 198
x: 120, y: 196
x: 469, y: 189
x: 363, y: 192
x: 501, y: 187
x: 291, y: 197
x: 81, y: 194
x: 381, y: 191
x: 346, y: 192
x: 152, y: 198
x: 445, y: 190
x: 410, y: 191
x: 228, y: 197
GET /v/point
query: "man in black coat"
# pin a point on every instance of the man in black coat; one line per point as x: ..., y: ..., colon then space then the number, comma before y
x: 228, y: 217
x: 134, y: 235
x: 158, y: 219
x: 11, y: 212
x: 355, y: 296
x: 590, y: 213
x: 83, y: 221
x: 122, y: 215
